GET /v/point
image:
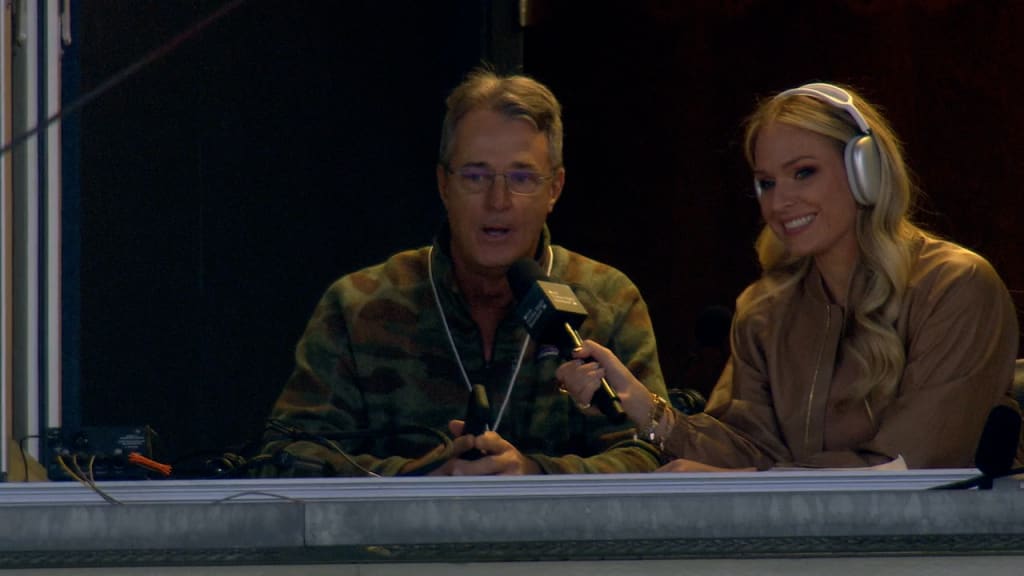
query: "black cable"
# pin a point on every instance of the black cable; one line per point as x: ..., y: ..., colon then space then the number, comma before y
x: 24, y: 457
x: 328, y: 440
x: 210, y: 464
x: 76, y: 472
x: 298, y: 435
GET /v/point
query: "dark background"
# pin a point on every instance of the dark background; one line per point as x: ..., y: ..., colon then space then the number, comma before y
x: 215, y: 194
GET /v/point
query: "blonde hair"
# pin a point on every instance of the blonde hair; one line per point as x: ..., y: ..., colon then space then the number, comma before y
x: 885, y: 237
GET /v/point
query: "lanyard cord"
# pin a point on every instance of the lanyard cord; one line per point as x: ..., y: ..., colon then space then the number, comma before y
x: 455, y: 350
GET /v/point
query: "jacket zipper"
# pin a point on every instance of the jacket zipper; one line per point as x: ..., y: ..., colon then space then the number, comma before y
x: 817, y: 369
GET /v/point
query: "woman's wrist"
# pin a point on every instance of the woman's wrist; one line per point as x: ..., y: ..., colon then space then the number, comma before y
x: 637, y: 403
x: 665, y: 425
x: 658, y: 423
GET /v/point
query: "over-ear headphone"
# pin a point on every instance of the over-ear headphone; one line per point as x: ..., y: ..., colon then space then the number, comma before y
x: 861, y: 154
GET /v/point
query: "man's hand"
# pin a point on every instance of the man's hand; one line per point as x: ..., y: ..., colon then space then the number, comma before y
x: 459, y: 445
x: 500, y: 457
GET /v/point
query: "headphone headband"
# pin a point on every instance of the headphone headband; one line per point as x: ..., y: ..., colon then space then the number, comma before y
x: 833, y: 95
x: 861, y: 154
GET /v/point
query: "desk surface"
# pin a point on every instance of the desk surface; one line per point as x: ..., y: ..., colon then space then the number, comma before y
x: 537, y: 518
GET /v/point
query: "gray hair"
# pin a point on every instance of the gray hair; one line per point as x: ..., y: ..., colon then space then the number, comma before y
x: 516, y: 96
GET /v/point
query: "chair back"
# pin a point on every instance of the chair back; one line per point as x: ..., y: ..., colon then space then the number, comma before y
x: 1018, y: 381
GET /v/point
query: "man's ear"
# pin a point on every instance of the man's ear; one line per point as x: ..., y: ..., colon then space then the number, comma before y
x: 557, y: 183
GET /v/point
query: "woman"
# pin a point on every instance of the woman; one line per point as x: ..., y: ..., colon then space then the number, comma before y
x: 865, y: 340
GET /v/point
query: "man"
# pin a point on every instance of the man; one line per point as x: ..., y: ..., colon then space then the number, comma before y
x: 391, y: 352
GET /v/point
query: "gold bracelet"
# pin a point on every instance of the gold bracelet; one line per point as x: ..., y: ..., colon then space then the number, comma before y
x: 658, y: 408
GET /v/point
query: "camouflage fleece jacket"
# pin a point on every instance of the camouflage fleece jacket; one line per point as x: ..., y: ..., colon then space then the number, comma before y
x: 375, y: 359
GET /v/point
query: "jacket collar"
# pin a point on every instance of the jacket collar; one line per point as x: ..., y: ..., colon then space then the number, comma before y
x: 814, y: 285
x: 442, y: 255
x: 443, y: 268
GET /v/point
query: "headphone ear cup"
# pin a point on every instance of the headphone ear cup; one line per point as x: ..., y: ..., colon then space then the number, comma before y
x: 863, y: 169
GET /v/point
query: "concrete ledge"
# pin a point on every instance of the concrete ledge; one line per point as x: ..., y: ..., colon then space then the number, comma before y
x: 578, y: 519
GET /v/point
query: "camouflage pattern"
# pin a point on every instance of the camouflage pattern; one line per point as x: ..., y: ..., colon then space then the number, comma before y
x: 375, y: 357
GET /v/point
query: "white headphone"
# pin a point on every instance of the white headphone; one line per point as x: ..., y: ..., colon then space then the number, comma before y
x: 862, y: 156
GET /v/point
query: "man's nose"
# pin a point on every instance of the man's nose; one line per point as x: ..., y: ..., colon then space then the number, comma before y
x: 499, y: 196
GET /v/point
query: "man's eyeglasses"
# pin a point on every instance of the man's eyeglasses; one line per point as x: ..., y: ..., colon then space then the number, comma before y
x: 476, y: 180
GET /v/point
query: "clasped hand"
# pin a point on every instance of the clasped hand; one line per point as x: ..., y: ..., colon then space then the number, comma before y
x: 500, y: 457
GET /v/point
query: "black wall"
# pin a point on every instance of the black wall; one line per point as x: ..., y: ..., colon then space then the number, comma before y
x: 226, y: 184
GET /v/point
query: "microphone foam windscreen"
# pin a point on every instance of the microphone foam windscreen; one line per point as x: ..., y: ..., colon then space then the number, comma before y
x: 522, y: 274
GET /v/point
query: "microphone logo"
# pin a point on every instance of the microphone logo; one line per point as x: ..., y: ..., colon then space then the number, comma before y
x: 547, y: 351
x: 552, y: 314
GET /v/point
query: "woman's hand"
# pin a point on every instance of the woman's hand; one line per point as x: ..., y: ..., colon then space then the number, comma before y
x: 581, y: 377
x: 580, y: 380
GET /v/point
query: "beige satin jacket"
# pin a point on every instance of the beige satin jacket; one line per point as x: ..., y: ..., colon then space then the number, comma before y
x: 782, y: 401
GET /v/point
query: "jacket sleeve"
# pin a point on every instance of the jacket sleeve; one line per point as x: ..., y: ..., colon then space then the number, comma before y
x: 321, y: 398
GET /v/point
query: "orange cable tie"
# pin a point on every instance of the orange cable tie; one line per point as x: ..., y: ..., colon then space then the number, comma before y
x: 149, y: 464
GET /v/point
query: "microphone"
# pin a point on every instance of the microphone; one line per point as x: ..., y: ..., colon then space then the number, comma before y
x: 996, y: 449
x: 478, y: 418
x: 552, y: 314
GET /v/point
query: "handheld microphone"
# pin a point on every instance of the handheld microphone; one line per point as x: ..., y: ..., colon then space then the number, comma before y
x: 478, y: 418
x: 552, y: 314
